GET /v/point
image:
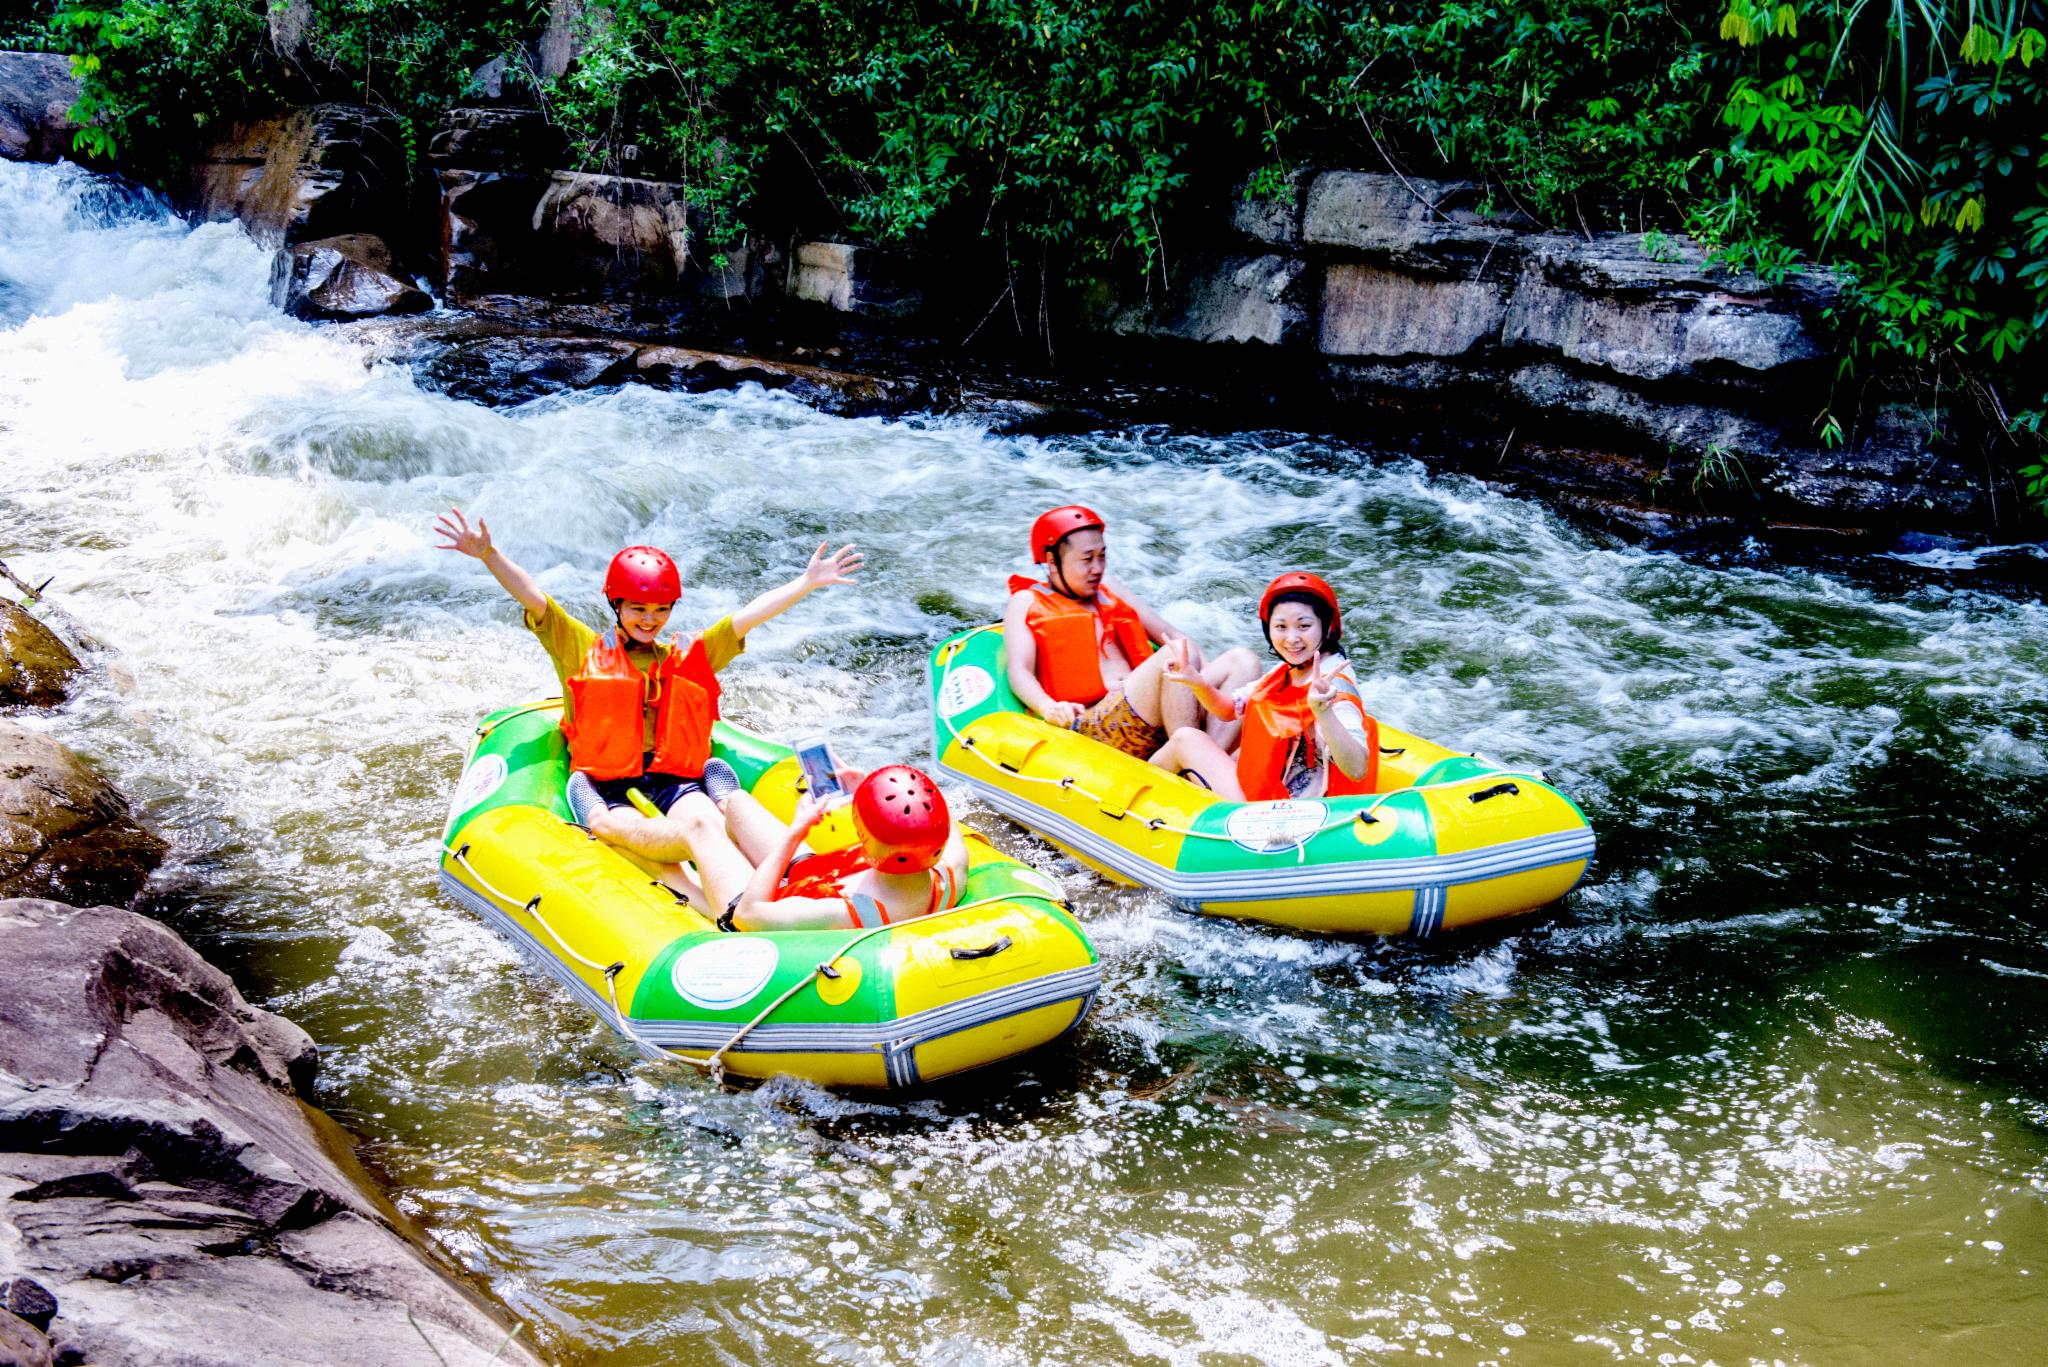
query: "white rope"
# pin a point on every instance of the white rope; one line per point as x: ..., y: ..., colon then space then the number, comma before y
x: 1155, y: 823
x: 714, y: 1065
x: 610, y: 971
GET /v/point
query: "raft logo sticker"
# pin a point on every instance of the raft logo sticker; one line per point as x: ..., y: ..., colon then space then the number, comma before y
x: 967, y: 686
x: 481, y: 779
x: 724, y: 973
x: 1264, y: 826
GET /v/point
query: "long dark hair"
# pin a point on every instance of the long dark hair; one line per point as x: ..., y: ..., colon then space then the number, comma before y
x: 1332, y: 643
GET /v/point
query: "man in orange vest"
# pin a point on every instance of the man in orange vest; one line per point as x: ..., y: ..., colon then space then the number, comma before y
x: 637, y: 713
x: 1085, y: 653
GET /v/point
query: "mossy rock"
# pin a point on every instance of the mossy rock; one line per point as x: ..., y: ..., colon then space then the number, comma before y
x: 36, y: 669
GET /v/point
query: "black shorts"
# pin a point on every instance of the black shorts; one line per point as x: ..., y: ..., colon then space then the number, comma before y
x: 663, y: 790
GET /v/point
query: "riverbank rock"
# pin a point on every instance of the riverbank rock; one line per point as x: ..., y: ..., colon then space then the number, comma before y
x: 322, y: 171
x: 36, y: 95
x: 36, y: 667
x: 612, y: 232
x: 65, y: 832
x: 342, y: 277
x: 167, y: 1186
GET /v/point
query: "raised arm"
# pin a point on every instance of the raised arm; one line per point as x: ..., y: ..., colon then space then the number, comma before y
x: 1020, y: 665
x: 758, y: 908
x: 1325, y: 695
x: 824, y: 570
x: 1218, y: 703
x: 475, y: 542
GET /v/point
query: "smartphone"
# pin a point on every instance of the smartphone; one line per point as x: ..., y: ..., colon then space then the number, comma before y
x: 821, y: 767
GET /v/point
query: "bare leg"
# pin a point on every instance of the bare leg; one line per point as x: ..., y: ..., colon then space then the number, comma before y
x: 1227, y: 673
x: 693, y: 830
x: 1146, y: 690
x: 753, y: 828
x: 1191, y: 749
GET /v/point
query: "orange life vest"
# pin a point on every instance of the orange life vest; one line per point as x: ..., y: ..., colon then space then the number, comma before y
x: 608, y: 704
x: 824, y: 876
x: 1276, y: 719
x: 1069, y: 635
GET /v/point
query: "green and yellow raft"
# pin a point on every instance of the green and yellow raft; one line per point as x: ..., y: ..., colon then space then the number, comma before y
x: 1006, y: 971
x: 1450, y: 839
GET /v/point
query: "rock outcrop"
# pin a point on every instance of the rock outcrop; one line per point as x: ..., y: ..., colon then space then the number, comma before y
x: 169, y: 1195
x: 65, y: 832
x: 323, y: 171
x: 36, y: 667
x: 36, y: 95
x: 351, y: 276
x: 1624, y: 374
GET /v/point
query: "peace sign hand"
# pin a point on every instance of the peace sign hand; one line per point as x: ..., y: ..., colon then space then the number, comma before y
x: 1322, y: 691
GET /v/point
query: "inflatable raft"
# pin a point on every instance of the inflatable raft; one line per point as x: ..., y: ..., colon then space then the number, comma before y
x: 1004, y: 972
x: 1450, y: 839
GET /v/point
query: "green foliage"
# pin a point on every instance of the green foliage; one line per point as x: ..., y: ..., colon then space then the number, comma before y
x: 1902, y: 140
x: 141, y: 62
x: 1899, y: 140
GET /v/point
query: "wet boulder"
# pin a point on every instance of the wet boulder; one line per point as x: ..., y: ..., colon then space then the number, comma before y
x: 36, y: 95
x: 351, y: 276
x: 167, y: 1186
x: 305, y: 174
x: 65, y: 831
x: 611, y: 233
x: 36, y: 667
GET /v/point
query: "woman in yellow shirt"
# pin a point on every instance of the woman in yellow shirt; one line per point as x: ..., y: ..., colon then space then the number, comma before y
x: 638, y: 713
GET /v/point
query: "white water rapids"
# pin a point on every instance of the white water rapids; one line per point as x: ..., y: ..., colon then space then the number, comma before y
x: 1769, y: 1087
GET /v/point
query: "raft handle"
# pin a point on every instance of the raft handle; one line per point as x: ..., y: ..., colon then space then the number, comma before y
x: 1393, y: 749
x: 1495, y: 791
x: 986, y: 951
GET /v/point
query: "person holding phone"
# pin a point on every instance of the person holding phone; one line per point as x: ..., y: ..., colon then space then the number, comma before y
x: 638, y: 712
x: 909, y: 861
x: 1306, y: 731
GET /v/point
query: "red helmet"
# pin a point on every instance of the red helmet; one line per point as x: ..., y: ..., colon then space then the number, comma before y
x: 1059, y: 524
x: 1301, y: 581
x: 902, y: 819
x: 642, y: 574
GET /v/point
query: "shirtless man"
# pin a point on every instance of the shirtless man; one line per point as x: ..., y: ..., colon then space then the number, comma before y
x: 1085, y: 653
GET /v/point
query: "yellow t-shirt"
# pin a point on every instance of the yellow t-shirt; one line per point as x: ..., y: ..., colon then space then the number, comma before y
x: 567, y: 641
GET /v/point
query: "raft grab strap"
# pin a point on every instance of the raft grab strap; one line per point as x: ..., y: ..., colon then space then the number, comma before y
x: 714, y: 1065
x: 1157, y: 823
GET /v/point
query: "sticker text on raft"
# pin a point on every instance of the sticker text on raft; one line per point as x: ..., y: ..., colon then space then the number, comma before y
x: 479, y: 781
x: 724, y: 973
x: 1263, y: 826
x: 968, y: 686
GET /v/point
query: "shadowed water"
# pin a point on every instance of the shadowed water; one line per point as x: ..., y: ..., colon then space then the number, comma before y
x: 1769, y: 1086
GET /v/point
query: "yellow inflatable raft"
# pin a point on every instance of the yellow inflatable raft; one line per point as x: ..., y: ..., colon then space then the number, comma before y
x: 1003, y: 972
x: 1451, y: 839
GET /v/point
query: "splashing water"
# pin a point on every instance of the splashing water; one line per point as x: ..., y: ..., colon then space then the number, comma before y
x: 1769, y: 1087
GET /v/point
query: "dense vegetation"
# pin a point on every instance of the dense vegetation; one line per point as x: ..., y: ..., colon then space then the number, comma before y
x: 1898, y: 139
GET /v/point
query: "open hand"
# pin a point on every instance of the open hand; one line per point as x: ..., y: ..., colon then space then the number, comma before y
x: 1063, y: 714
x: 838, y: 568
x: 460, y: 536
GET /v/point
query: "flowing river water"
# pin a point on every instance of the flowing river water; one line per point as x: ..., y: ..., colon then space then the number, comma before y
x: 1769, y: 1086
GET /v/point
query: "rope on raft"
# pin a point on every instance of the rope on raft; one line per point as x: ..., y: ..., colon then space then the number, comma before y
x: 1157, y: 823
x: 714, y: 1065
